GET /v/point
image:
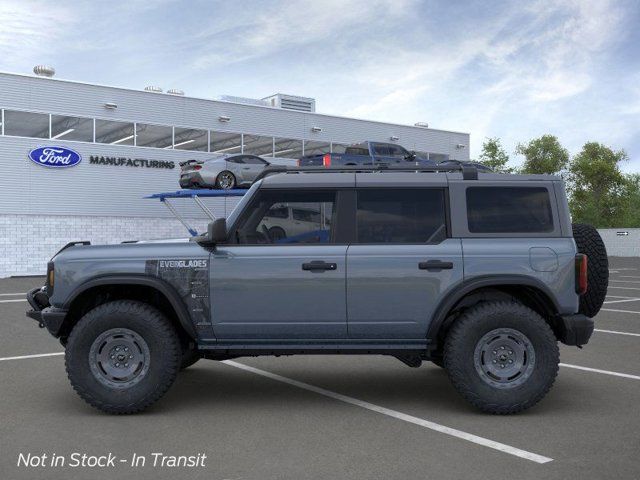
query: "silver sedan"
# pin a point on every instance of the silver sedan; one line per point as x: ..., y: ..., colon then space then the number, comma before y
x: 224, y: 172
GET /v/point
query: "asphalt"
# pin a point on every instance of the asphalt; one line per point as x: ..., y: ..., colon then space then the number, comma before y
x: 333, y: 417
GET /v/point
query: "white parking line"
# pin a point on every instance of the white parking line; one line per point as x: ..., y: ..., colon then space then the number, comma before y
x: 622, y: 301
x: 40, y: 355
x: 398, y: 415
x: 619, y: 311
x: 597, y: 370
x: 624, y: 281
x: 623, y: 288
x: 628, y: 276
x: 11, y: 294
x: 616, y: 332
x: 14, y: 300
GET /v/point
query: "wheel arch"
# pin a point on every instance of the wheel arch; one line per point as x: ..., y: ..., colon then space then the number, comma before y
x: 134, y: 287
x: 530, y: 291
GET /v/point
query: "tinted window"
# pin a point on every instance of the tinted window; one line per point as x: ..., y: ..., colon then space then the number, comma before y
x: 381, y: 150
x: 356, y: 151
x: 397, y: 151
x: 401, y: 216
x: 235, y: 159
x: 268, y: 222
x: 509, y: 210
x: 254, y: 161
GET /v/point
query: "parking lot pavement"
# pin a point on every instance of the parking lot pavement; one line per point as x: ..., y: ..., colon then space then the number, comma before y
x: 333, y: 417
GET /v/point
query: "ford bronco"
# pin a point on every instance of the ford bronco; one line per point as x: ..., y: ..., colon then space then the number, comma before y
x: 480, y: 273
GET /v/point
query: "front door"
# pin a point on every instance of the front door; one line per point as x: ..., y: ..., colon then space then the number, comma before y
x: 401, y: 264
x: 277, y: 281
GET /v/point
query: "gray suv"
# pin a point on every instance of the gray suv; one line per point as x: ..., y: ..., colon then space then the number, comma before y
x: 479, y: 273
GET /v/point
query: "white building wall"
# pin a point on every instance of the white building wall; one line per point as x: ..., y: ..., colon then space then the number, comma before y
x: 28, y: 242
x: 620, y: 245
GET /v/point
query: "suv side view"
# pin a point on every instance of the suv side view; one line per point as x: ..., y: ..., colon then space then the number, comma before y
x: 480, y: 273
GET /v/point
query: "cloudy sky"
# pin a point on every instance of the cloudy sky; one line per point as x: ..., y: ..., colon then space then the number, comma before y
x: 514, y: 70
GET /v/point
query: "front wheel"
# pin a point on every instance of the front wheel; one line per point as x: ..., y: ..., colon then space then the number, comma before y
x: 502, y: 357
x: 122, y: 356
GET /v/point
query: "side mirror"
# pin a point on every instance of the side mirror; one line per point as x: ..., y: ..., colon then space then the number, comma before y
x: 217, y: 231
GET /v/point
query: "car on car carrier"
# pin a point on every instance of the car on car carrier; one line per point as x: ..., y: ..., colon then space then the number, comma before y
x: 480, y: 273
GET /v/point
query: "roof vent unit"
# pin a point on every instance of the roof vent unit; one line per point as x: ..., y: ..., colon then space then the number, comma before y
x: 292, y: 102
x: 175, y: 91
x: 422, y: 124
x: 244, y: 100
x: 153, y: 89
x: 44, y: 71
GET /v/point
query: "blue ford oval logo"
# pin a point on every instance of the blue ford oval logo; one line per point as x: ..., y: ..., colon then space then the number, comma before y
x: 56, y: 157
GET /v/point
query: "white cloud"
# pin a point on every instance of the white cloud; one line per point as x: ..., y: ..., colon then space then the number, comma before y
x: 30, y: 28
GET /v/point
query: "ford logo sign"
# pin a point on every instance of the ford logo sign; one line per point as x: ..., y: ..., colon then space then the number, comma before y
x: 56, y: 157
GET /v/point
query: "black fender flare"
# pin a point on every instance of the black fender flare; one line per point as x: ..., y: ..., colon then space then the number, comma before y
x: 460, y: 290
x: 163, y: 287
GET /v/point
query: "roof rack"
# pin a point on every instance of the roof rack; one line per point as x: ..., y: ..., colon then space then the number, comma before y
x: 469, y: 172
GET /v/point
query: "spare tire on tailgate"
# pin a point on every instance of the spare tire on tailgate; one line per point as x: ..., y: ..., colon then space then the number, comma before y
x: 590, y: 243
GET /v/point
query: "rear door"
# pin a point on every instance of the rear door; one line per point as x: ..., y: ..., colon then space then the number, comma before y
x: 402, y: 262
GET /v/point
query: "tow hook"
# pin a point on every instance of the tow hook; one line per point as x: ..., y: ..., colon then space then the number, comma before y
x: 41, y: 325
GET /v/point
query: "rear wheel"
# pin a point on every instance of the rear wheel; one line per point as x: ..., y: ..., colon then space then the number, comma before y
x: 122, y: 356
x: 502, y: 357
x: 277, y: 233
x: 590, y: 243
x: 225, y: 180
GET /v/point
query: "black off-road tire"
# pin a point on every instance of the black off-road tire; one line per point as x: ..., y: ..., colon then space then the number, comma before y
x: 151, y: 328
x: 469, y: 332
x: 590, y: 243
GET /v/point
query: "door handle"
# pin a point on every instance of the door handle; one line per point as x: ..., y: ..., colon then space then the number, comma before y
x: 435, y: 265
x: 319, y: 266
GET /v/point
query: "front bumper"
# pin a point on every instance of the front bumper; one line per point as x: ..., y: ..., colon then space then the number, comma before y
x: 47, y: 316
x: 575, y: 329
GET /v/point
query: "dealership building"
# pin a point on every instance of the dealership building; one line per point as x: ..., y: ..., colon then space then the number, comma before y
x: 129, y: 144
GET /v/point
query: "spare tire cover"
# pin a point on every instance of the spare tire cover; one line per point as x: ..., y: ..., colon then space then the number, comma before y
x: 590, y: 243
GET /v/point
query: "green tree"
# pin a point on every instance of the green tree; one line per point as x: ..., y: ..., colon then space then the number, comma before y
x: 600, y: 193
x: 494, y: 156
x: 631, y: 216
x: 543, y: 155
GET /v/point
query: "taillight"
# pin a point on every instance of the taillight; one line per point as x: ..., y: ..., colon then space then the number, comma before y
x: 197, y: 167
x: 326, y: 160
x: 581, y: 274
x: 298, y: 162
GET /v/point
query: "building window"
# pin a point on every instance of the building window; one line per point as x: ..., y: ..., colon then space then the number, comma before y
x: 225, y: 143
x: 287, y: 148
x: 340, y: 148
x: 191, y: 139
x: 26, y: 124
x: 157, y: 136
x: 312, y: 147
x: 257, y: 145
x: 114, y: 133
x: 72, y: 128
